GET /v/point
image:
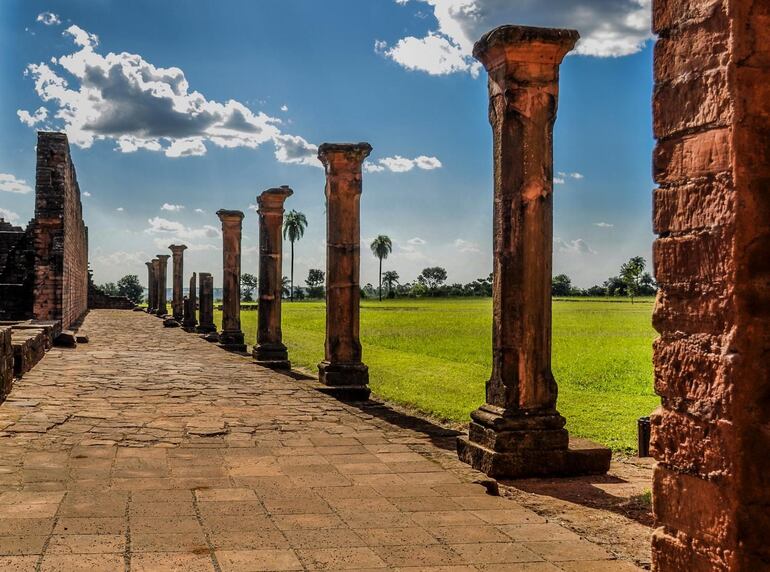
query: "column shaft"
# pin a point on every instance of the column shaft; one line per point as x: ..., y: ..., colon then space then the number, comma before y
x: 270, y: 350
x: 231, y: 336
x: 151, y: 288
x: 342, y: 368
x: 206, y: 303
x: 177, y: 305
x: 190, y: 305
x: 518, y: 432
x: 162, y: 308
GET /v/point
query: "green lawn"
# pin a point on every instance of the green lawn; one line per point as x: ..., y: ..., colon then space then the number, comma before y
x: 436, y: 354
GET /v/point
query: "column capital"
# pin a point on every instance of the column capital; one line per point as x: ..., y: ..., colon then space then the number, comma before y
x: 149, y: 264
x: 273, y: 199
x: 163, y: 257
x: 202, y: 275
x: 331, y: 154
x: 524, y: 44
x: 177, y: 248
x: 230, y: 216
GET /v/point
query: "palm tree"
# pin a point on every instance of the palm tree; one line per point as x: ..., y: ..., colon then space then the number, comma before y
x: 381, y: 247
x: 294, y: 224
x: 390, y: 278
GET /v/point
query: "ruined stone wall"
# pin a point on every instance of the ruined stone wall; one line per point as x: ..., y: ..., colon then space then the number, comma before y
x: 6, y: 361
x: 60, y: 236
x: 17, y: 258
x: 711, y: 489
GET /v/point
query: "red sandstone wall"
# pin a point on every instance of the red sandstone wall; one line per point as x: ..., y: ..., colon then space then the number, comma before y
x: 60, y: 236
x: 711, y: 436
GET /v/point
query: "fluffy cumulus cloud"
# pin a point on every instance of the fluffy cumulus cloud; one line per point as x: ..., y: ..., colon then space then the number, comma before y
x: 9, y: 216
x: 171, y: 229
x: 399, y: 164
x: 172, y: 208
x: 11, y: 184
x: 126, y: 99
x: 604, y: 225
x: 49, y: 19
x: 577, y: 246
x: 608, y: 28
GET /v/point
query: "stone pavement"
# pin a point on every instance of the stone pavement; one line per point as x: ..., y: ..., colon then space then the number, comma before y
x: 149, y: 449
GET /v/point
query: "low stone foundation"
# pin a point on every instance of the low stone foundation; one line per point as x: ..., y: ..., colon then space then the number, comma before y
x: 6, y: 361
x: 29, y: 346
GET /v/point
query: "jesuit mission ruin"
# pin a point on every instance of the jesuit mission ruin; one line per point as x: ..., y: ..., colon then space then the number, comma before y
x: 153, y: 432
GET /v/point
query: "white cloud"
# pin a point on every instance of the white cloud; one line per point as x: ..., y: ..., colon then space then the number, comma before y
x: 120, y: 209
x: 284, y: 107
x: 436, y: 54
x: 609, y: 28
x: 32, y: 119
x: 604, y: 225
x: 399, y: 164
x: 558, y: 180
x: 8, y: 216
x: 121, y: 258
x: 296, y: 150
x: 466, y: 246
x: 564, y: 175
x: 11, y: 184
x: 170, y: 228
x: 200, y: 211
x: 577, y: 246
x: 49, y: 18
x: 172, y: 208
x: 411, y: 249
x: 86, y: 194
x: 416, y: 241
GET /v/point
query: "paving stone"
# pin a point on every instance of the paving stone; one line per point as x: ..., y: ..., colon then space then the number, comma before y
x: 118, y: 436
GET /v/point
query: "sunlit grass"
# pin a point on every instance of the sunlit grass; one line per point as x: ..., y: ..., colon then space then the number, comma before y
x: 435, y: 355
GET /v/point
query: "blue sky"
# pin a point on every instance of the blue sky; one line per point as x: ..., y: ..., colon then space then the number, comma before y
x: 199, y: 106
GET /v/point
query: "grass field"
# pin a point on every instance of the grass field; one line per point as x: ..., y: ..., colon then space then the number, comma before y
x: 435, y: 355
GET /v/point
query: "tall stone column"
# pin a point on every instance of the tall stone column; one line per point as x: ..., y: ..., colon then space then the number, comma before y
x: 231, y: 336
x: 190, y: 306
x: 711, y: 212
x: 151, y: 287
x: 162, y: 308
x: 206, y: 303
x: 342, y: 369
x: 156, y: 277
x: 270, y: 350
x: 177, y: 302
x: 518, y: 432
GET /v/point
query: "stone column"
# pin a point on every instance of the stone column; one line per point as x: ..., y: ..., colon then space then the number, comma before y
x: 190, y: 306
x: 342, y: 369
x: 156, y: 277
x: 711, y: 212
x: 162, y: 309
x: 151, y: 287
x: 231, y: 336
x: 518, y: 432
x: 270, y: 351
x: 177, y: 304
x: 206, y: 304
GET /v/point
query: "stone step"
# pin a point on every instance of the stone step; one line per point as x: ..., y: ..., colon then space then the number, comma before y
x: 29, y: 347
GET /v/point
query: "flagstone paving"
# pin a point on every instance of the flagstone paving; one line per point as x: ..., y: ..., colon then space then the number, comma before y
x: 149, y: 449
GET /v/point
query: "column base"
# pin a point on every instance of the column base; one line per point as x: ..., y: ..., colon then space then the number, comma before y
x: 189, y: 327
x: 211, y: 337
x: 517, y: 446
x: 232, y: 341
x: 273, y: 356
x: 161, y: 312
x: 347, y: 382
x: 205, y: 328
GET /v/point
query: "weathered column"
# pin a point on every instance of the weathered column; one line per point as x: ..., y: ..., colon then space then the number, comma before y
x: 190, y: 306
x: 156, y: 277
x: 342, y: 369
x: 711, y: 436
x: 177, y: 304
x: 206, y: 304
x: 231, y: 336
x: 270, y: 351
x: 518, y: 432
x: 162, y: 309
x: 151, y: 287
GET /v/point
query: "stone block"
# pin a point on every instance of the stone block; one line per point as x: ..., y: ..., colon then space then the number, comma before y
x: 689, y: 156
x: 6, y: 361
x: 695, y: 205
x: 28, y: 349
x: 668, y: 14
